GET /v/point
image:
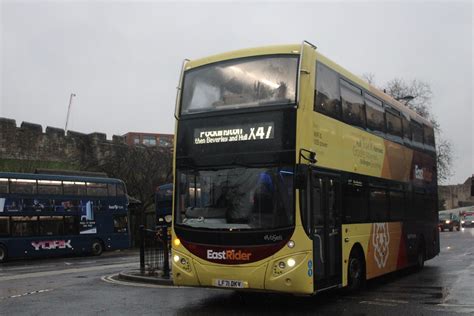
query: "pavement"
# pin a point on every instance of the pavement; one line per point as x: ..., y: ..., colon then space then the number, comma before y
x: 135, y: 275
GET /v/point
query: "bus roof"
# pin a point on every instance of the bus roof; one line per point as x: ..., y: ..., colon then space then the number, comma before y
x: 295, y: 49
x: 35, y: 176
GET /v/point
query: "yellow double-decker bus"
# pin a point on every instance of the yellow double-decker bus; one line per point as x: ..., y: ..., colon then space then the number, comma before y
x: 294, y: 175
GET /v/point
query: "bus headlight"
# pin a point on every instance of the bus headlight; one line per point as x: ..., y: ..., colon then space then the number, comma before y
x: 291, y: 244
x: 287, y: 264
x: 177, y: 242
x: 182, y: 262
x: 462, y: 222
x: 291, y: 262
x: 448, y: 221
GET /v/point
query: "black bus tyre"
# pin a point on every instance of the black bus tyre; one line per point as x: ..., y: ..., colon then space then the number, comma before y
x: 355, y: 270
x: 97, y: 247
x: 420, y: 258
x: 458, y: 228
x: 451, y: 228
x: 3, y: 253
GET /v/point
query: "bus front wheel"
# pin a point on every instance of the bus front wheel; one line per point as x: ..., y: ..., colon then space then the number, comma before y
x: 355, y: 270
x: 97, y: 247
x: 3, y: 253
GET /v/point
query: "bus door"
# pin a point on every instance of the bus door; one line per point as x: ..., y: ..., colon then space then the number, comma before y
x: 326, y: 229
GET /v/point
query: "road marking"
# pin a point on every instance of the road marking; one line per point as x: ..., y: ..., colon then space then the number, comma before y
x: 26, y: 294
x: 111, y: 279
x: 377, y: 303
x: 66, y: 271
x: 391, y: 301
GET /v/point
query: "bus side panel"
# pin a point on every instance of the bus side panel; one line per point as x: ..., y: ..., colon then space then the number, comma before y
x: 382, y: 243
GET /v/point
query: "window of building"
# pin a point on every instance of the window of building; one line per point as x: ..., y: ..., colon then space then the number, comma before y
x: 136, y: 140
x: 394, y: 123
x: 397, y: 205
x: 416, y: 131
x: 164, y: 143
x: 352, y: 104
x: 374, y: 113
x: 120, y: 224
x: 149, y: 140
x: 429, y: 135
x: 327, y: 95
x: 378, y: 205
x: 355, y: 202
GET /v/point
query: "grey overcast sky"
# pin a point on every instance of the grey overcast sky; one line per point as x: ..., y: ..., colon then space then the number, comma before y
x: 123, y: 58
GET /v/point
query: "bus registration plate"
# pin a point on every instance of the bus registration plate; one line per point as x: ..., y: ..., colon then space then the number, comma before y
x: 236, y: 284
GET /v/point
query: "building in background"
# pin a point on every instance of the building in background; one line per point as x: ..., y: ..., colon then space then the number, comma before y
x: 457, y: 195
x: 149, y: 139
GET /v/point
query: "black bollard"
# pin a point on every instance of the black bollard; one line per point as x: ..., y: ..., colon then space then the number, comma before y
x: 166, y: 262
x: 142, y: 249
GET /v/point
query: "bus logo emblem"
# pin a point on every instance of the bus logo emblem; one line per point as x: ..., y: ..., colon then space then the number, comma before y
x: 381, y: 241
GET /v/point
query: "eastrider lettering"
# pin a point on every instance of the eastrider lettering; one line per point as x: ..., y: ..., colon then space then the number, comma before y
x: 51, y: 244
x: 228, y: 255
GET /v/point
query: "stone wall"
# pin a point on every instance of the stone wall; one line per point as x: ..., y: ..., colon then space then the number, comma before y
x: 457, y: 195
x: 29, y: 145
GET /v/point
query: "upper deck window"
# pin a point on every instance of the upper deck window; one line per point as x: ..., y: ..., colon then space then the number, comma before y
x: 240, y: 83
x: 327, y: 96
x: 375, y: 114
x: 352, y: 104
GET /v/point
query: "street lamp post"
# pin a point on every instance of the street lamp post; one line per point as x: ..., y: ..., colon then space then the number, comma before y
x: 68, y: 111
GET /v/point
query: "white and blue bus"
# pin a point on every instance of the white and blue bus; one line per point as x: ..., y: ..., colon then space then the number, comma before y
x: 51, y: 215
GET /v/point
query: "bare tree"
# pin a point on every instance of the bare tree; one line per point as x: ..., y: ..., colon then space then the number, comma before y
x: 419, y: 90
x: 421, y: 104
x: 369, y: 77
x: 141, y: 168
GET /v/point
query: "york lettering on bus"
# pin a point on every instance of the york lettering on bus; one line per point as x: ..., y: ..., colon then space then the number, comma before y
x: 51, y: 244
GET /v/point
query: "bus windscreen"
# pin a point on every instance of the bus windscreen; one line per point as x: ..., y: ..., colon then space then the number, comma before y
x: 237, y: 198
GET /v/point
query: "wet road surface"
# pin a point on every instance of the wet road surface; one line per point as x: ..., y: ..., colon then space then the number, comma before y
x: 80, y: 285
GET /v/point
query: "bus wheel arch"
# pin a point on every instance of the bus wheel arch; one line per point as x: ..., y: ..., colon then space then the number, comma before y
x: 97, y: 247
x: 3, y: 253
x: 356, y: 268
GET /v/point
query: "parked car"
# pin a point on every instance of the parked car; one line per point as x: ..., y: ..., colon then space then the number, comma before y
x: 449, y: 221
x: 468, y: 221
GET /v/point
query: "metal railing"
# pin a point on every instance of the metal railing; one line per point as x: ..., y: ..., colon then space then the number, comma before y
x: 155, y: 251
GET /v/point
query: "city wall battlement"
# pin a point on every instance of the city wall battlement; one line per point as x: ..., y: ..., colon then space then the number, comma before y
x: 29, y: 142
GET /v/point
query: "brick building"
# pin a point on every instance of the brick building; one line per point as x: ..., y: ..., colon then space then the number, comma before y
x: 149, y: 139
